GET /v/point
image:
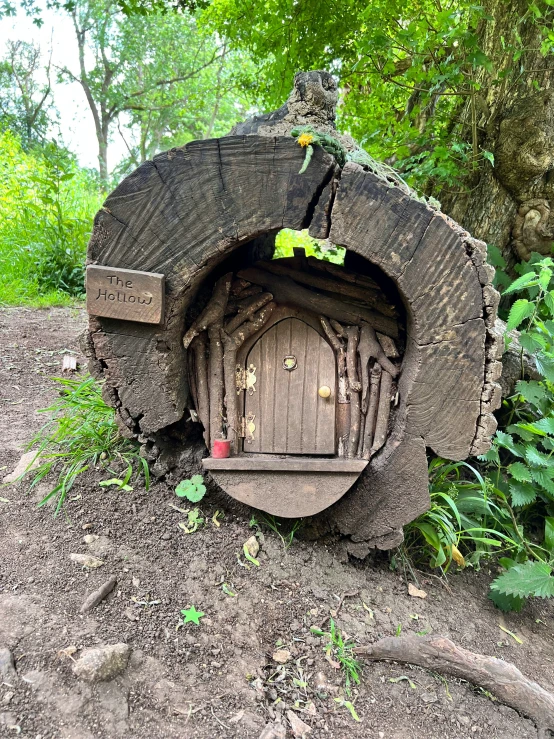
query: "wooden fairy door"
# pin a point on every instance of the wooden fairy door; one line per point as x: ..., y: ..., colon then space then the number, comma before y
x: 286, y: 409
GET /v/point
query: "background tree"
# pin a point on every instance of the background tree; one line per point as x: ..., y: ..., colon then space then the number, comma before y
x: 26, y: 103
x: 157, y: 74
x: 456, y: 96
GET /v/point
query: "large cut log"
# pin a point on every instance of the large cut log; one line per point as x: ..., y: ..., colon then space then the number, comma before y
x: 286, y: 290
x: 502, y: 679
x: 369, y: 296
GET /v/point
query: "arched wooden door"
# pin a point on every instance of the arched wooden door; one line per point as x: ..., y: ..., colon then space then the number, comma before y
x: 285, y: 414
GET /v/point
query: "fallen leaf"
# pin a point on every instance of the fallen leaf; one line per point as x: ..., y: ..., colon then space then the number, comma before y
x: 335, y: 665
x: 4, y: 500
x: 299, y: 728
x: 510, y: 633
x: 67, y: 652
x: 86, y: 560
x: 281, y: 656
x: 252, y: 546
x: 416, y: 592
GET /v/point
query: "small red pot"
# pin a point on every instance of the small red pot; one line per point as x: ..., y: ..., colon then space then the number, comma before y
x: 221, y: 449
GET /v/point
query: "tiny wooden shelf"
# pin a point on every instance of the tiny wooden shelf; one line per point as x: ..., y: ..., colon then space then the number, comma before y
x: 275, y: 463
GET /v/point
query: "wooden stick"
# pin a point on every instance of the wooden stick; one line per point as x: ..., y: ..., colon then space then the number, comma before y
x: 340, y: 353
x: 367, y: 295
x: 383, y: 413
x: 376, y: 350
x: 352, y: 334
x: 200, y: 349
x: 98, y: 595
x: 374, y: 381
x: 362, y: 416
x: 341, y: 274
x: 232, y: 344
x: 355, y: 387
x: 231, y: 392
x: 364, y: 351
x: 255, y: 323
x: 502, y: 679
x: 237, y: 286
x: 248, y: 291
x: 216, y: 382
x: 388, y: 346
x: 341, y: 331
x: 214, y: 311
x: 246, y: 308
x: 286, y: 290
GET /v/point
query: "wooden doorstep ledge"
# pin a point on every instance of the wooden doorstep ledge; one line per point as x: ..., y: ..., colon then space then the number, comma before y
x: 259, y: 462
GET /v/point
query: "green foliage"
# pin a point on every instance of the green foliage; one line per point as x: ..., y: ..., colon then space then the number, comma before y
x: 287, y: 240
x: 42, y: 245
x: 193, y: 489
x: 343, y: 652
x: 275, y: 525
x: 81, y: 433
x: 193, y: 522
x: 307, y: 135
x: 503, y: 509
x: 414, y: 76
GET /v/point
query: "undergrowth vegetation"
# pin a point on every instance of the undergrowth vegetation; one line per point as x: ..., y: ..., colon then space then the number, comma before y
x: 47, y: 205
x: 81, y: 433
x: 505, y: 506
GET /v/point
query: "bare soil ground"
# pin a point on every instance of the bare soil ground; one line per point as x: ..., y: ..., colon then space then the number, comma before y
x: 217, y: 679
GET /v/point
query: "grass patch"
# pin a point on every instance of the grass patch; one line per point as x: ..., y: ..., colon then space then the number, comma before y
x: 81, y: 433
x: 47, y: 207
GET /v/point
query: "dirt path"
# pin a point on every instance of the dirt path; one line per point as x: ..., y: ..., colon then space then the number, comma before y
x: 217, y: 679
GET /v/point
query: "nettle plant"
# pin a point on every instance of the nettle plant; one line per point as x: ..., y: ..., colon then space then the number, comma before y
x: 521, y: 461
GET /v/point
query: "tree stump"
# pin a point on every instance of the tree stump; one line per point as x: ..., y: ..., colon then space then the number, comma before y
x: 191, y: 214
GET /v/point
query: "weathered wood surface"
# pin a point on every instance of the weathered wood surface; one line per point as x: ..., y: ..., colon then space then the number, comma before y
x: 270, y: 462
x: 289, y: 415
x: 286, y: 290
x: 434, y: 264
x: 373, y: 298
x: 177, y: 215
x: 286, y: 494
x: 183, y: 213
x: 126, y: 294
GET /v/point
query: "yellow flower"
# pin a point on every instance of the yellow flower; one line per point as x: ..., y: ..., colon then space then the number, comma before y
x: 305, y: 139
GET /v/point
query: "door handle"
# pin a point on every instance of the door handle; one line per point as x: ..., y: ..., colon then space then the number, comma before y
x: 324, y: 391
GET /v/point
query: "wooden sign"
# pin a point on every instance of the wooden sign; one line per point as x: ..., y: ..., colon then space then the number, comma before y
x: 126, y: 294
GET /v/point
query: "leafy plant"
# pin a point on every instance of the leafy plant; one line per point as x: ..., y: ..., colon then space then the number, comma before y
x: 80, y: 434
x: 192, y: 489
x: 342, y: 652
x: 194, y: 521
x: 46, y: 214
x: 274, y: 524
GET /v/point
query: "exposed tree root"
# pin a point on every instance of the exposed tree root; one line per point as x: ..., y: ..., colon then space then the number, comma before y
x: 500, y: 678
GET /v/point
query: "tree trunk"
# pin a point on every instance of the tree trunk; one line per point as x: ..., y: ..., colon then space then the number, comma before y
x: 508, y: 204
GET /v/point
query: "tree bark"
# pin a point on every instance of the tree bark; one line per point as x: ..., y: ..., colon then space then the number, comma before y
x: 513, y: 117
